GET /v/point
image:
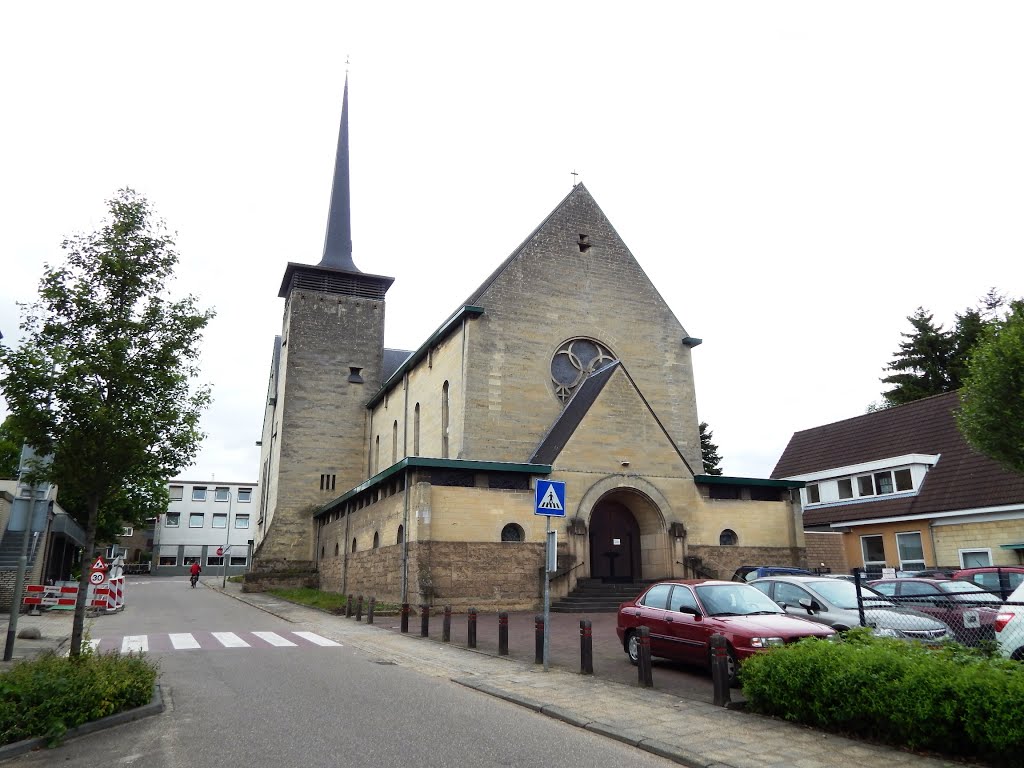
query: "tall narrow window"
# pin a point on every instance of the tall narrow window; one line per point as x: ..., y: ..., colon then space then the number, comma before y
x: 444, y: 421
x: 394, y: 442
x: 416, y: 431
x: 376, y: 455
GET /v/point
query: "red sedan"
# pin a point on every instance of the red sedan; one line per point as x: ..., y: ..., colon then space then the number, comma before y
x: 683, y: 615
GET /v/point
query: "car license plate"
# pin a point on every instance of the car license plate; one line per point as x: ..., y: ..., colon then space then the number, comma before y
x: 972, y: 620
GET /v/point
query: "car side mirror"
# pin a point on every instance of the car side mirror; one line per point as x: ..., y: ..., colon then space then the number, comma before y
x: 690, y: 610
x: 809, y: 604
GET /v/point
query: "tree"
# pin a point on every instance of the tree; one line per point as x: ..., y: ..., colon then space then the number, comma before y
x: 709, y: 451
x: 10, y: 450
x: 103, y: 379
x: 991, y: 414
x: 931, y: 360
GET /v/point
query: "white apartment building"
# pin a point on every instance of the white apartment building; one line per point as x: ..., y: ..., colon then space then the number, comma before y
x: 205, y: 522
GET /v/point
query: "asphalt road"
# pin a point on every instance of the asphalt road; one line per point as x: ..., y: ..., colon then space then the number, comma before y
x: 285, y: 699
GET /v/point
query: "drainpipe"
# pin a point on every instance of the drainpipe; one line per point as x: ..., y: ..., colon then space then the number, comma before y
x: 405, y: 499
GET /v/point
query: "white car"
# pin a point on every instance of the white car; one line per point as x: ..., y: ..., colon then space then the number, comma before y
x: 1009, y: 626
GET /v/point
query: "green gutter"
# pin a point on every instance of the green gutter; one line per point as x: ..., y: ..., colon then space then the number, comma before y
x: 419, y: 354
x: 722, y: 480
x: 412, y: 462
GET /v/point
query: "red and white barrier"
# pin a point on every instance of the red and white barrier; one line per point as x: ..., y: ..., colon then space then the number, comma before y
x: 42, y: 594
x: 115, y: 594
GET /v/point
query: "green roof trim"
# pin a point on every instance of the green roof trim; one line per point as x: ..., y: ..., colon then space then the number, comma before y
x: 412, y: 462
x: 446, y: 328
x: 764, y: 483
x: 1011, y: 546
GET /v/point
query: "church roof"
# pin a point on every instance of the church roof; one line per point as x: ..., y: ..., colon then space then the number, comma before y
x: 393, y: 359
x: 338, y: 240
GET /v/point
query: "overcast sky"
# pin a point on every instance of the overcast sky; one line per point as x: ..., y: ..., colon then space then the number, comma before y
x: 795, y: 178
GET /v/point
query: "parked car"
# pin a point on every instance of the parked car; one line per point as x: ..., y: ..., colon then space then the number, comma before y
x: 683, y: 615
x: 833, y: 602
x: 999, y: 580
x: 968, y: 609
x: 1010, y: 626
x: 747, y: 573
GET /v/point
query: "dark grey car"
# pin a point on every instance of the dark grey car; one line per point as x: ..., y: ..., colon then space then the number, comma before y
x: 834, y: 602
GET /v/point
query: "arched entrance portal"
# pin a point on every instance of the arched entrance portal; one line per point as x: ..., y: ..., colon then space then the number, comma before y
x: 614, y: 543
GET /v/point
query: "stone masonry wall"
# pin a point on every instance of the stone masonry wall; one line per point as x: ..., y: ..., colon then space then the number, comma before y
x: 826, y: 547
x: 723, y: 561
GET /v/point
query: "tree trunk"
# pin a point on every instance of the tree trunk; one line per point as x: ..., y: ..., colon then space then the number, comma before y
x: 78, y: 627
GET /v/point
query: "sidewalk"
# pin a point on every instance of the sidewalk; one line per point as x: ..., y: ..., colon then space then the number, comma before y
x: 687, y: 731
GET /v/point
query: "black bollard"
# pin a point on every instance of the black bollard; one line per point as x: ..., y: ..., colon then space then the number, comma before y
x: 369, y: 610
x: 446, y: 626
x: 471, y: 628
x: 503, y: 634
x: 424, y: 620
x: 405, y: 617
x: 348, y: 608
x: 359, y: 608
x: 538, y: 630
x: 586, y: 648
x: 720, y: 671
x: 644, y: 666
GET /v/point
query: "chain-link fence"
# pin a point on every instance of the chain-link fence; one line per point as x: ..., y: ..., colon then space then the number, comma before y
x: 939, y: 610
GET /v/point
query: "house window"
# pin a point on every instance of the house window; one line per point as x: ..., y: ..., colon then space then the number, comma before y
x: 911, y: 551
x: 376, y: 539
x: 376, y: 455
x: 394, y: 442
x: 221, y: 494
x: 512, y: 532
x: 173, y: 520
x: 238, y: 560
x: 199, y: 493
x: 416, y: 431
x: 127, y: 531
x: 813, y: 495
x: 195, y: 520
x: 177, y: 491
x: 214, y: 560
x: 873, y: 550
x: 327, y: 482
x: 728, y: 538
x: 864, y: 486
x: 353, y: 545
x: 883, y: 482
x: 220, y: 520
x: 244, y: 495
x: 241, y: 521
x: 975, y: 558
x: 904, y: 480
x: 444, y: 421
x: 845, y: 488
x: 168, y: 559
x: 401, y: 534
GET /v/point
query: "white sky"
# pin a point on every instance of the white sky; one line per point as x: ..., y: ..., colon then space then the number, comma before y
x: 796, y: 178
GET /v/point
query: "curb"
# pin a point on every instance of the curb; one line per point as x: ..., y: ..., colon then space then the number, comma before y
x: 154, y: 707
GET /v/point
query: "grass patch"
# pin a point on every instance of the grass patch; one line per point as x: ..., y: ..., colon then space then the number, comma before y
x: 45, y: 696
x: 333, y: 602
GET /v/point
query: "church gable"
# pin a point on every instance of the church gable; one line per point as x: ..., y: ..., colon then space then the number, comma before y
x: 572, y: 279
x: 619, y: 432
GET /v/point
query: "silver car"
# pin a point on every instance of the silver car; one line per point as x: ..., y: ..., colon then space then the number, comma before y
x: 834, y: 602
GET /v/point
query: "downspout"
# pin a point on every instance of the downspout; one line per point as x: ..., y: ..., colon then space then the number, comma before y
x: 344, y: 555
x: 405, y: 494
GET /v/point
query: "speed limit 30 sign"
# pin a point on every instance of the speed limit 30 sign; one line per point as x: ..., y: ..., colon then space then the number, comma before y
x: 97, y: 577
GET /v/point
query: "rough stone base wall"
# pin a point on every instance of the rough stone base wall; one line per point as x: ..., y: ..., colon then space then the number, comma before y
x: 282, y: 574
x: 724, y: 561
x: 826, y: 548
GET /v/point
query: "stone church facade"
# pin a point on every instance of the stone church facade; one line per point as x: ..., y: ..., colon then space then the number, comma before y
x: 410, y: 476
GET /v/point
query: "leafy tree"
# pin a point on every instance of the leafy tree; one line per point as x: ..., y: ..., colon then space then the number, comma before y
x: 931, y: 360
x: 709, y: 451
x: 10, y: 450
x: 991, y: 415
x: 102, y: 381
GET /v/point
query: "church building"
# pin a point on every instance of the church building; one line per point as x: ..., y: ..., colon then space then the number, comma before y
x: 411, y: 475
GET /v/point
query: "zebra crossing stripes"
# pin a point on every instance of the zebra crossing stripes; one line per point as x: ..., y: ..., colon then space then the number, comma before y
x: 274, y: 639
x: 196, y: 641
x: 323, y: 641
x: 135, y: 644
x: 183, y: 640
x: 230, y: 640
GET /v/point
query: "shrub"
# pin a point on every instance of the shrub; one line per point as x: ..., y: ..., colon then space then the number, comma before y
x: 950, y: 700
x: 46, y: 696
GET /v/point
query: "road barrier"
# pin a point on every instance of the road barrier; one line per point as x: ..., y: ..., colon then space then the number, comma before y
x: 46, y: 595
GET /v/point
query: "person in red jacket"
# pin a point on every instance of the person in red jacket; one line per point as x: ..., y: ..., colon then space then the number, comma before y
x: 195, y: 571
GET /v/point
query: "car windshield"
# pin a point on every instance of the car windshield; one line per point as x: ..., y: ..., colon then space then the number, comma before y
x: 965, y: 592
x: 843, y: 594
x: 735, y: 600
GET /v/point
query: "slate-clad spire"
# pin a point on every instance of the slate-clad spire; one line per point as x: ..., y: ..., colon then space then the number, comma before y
x: 338, y: 242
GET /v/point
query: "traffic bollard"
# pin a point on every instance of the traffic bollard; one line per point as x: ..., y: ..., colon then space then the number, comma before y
x: 503, y: 634
x: 644, y: 666
x: 471, y: 628
x: 348, y: 608
x: 446, y: 625
x: 538, y: 631
x: 405, y: 617
x: 586, y: 648
x: 424, y: 620
x: 720, y: 670
x: 359, y: 608
x: 369, y: 610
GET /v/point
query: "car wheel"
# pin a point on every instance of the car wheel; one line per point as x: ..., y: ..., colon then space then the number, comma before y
x: 731, y: 666
x: 633, y: 647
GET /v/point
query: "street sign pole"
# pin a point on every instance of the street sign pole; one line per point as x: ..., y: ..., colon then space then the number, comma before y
x: 19, y: 577
x: 549, y: 500
x: 227, y: 545
x: 547, y: 592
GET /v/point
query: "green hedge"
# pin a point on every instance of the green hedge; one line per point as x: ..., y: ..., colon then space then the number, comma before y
x: 949, y: 700
x: 48, y: 695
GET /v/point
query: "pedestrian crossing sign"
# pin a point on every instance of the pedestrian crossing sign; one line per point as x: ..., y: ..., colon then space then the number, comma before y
x: 550, y: 498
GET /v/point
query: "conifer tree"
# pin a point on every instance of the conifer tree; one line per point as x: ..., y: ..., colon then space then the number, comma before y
x: 709, y: 451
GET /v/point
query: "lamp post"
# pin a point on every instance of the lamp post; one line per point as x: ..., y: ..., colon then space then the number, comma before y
x: 227, y: 544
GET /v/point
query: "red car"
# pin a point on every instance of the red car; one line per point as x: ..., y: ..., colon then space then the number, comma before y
x: 682, y: 615
x: 968, y: 609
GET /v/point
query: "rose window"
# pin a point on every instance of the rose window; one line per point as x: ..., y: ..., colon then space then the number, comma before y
x: 574, y: 361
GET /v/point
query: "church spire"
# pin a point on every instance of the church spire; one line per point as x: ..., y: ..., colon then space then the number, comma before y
x: 338, y: 242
